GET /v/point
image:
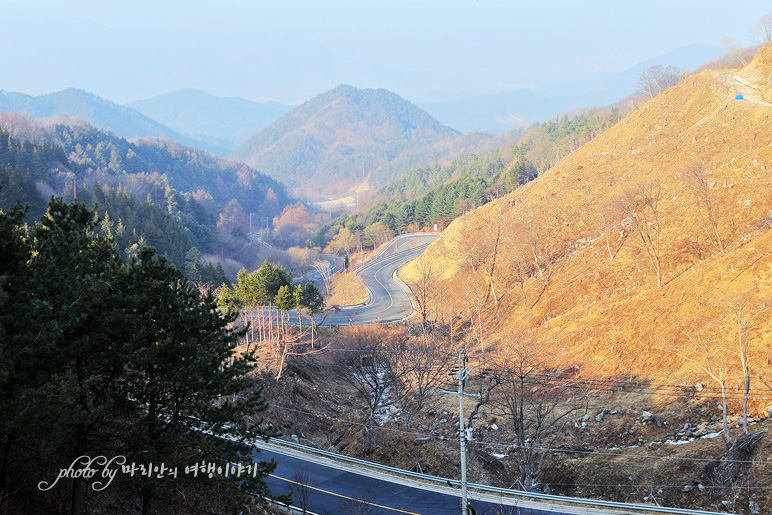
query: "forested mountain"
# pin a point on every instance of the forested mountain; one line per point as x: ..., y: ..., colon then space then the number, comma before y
x: 172, y: 223
x: 438, y: 194
x: 153, y: 192
x: 221, y: 122
x: 76, y: 103
x: 337, y: 140
x: 95, y: 151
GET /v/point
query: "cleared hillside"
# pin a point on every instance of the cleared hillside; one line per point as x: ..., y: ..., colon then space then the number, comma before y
x: 682, y: 184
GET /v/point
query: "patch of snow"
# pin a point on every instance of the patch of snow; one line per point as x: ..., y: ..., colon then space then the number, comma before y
x: 499, y: 456
x: 678, y: 442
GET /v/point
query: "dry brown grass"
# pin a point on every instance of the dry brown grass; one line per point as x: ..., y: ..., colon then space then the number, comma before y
x: 346, y: 289
x: 607, y: 315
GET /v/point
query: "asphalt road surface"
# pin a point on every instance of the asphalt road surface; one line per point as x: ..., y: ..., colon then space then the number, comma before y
x: 328, y: 490
x: 389, y: 298
x: 326, y: 486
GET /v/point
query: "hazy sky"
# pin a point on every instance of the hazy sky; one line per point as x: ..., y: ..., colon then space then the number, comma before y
x: 290, y: 50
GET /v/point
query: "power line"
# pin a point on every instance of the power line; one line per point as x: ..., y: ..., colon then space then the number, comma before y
x: 653, y: 388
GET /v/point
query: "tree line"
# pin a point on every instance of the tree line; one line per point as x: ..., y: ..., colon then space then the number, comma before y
x: 265, y: 297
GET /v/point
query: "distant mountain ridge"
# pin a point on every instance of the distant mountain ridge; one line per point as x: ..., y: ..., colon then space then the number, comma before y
x: 333, y: 142
x: 76, y: 103
x: 500, y: 112
x: 221, y: 122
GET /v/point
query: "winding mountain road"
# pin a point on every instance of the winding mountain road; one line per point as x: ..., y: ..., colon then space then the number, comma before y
x: 389, y: 298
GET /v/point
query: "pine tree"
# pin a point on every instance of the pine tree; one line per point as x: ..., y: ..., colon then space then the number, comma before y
x: 76, y: 277
x: 184, y: 376
x: 16, y: 335
x: 96, y: 354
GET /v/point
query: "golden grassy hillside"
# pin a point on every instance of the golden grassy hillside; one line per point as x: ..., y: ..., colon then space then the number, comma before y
x: 691, y: 171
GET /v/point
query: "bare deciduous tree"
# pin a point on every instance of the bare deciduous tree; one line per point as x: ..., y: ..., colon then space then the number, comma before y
x: 761, y: 33
x: 424, y: 288
x: 539, y: 404
x: 367, y: 367
x: 728, y: 45
x: 420, y: 366
x: 696, y: 178
x: 521, y: 267
x: 656, y: 79
x: 743, y: 317
x: 474, y: 298
x: 324, y: 269
x: 711, y: 358
x: 483, y: 255
x: 639, y: 209
x: 536, y: 242
x: 610, y: 224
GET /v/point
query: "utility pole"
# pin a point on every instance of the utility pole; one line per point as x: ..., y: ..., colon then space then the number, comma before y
x: 463, y: 373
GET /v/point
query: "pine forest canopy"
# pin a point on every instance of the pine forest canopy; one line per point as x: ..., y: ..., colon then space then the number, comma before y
x: 150, y: 192
x: 134, y: 359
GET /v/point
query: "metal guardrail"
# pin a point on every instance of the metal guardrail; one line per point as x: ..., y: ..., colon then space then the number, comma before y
x: 380, y: 254
x: 371, y: 262
x: 576, y: 501
x: 291, y: 509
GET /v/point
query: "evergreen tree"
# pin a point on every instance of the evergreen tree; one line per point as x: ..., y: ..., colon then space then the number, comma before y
x: 17, y: 371
x: 76, y: 278
x: 96, y: 354
x: 193, y: 265
x: 271, y: 278
x: 312, y: 299
x: 183, y: 375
